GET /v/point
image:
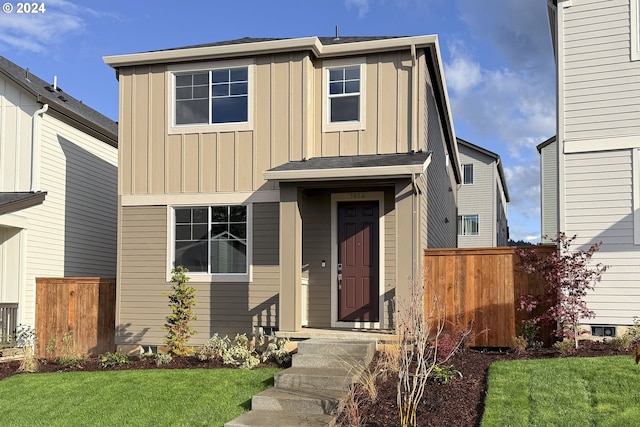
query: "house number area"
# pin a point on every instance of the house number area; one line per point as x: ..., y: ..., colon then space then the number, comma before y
x: 355, y: 196
x: 24, y: 8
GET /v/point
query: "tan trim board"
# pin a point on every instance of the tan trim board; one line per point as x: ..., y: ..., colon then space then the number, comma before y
x: 200, y: 198
x: 12, y: 220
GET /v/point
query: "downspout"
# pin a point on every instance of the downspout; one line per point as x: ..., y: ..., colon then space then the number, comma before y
x: 414, y: 99
x: 35, y: 148
x: 415, y: 221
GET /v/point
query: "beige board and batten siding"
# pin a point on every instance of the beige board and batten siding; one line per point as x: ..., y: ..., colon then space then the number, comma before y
x: 226, y: 308
x: 73, y: 232
x: 479, y: 198
x: 600, y: 83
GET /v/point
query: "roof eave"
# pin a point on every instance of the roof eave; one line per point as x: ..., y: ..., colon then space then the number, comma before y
x: 396, y: 171
x: 33, y: 199
x: 312, y: 44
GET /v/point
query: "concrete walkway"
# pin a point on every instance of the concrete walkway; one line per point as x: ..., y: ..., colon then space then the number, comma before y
x: 308, y: 393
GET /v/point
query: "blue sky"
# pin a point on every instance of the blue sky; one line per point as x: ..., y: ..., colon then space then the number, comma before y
x: 497, y: 54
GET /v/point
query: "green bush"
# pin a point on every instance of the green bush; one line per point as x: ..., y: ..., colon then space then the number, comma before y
x: 69, y: 361
x: 113, y: 359
x: 163, y: 358
x: 244, y: 352
x: 444, y: 374
x: 566, y: 346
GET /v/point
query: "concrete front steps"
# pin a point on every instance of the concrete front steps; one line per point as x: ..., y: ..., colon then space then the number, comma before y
x: 308, y: 393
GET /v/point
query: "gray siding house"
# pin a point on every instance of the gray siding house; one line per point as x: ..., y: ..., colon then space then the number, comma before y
x: 58, y: 190
x: 297, y: 179
x: 482, y: 198
x: 597, y: 50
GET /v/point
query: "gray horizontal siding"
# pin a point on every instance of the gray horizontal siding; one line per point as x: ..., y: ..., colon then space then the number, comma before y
x: 225, y: 308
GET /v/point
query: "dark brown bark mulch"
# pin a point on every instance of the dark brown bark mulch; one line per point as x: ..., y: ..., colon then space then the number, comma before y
x: 460, y: 402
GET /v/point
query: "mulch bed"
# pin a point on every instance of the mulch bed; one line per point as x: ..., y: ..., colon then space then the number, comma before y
x: 458, y: 403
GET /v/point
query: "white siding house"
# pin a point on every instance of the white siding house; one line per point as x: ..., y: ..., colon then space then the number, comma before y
x: 482, y: 198
x: 548, y: 189
x: 58, y: 189
x: 598, y: 137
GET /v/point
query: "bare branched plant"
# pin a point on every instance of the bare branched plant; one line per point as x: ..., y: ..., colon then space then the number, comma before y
x: 418, y: 356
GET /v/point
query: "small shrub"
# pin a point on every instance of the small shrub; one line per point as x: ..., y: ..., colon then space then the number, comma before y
x: 181, y: 300
x: 25, y: 339
x: 444, y: 374
x: 621, y: 343
x: 272, y: 349
x: 519, y: 344
x: 69, y: 361
x: 529, y: 331
x: 634, y: 331
x: 215, y: 347
x: 113, y: 359
x: 50, y: 348
x: 566, y: 346
x: 163, y: 358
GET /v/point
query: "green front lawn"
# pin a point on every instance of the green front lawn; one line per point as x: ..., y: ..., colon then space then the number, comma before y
x: 162, y: 397
x: 567, y: 392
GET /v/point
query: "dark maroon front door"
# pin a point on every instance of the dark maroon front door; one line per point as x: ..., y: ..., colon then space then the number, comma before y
x: 358, y: 247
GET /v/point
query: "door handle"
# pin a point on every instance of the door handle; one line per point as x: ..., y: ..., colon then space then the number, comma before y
x: 339, y: 281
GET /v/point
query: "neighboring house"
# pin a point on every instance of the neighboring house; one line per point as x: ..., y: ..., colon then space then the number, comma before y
x: 265, y: 164
x: 58, y: 189
x: 482, y: 198
x: 597, y: 50
x: 548, y: 189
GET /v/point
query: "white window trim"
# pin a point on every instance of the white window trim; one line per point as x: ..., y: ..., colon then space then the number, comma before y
x: 635, y: 176
x: 171, y: 72
x: 463, y: 174
x: 465, y: 216
x: 327, y: 126
x: 197, y: 277
x: 635, y: 27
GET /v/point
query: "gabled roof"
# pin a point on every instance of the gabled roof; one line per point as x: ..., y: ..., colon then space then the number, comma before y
x: 81, y: 115
x: 370, y: 166
x: 496, y: 158
x: 15, y: 201
x: 543, y: 144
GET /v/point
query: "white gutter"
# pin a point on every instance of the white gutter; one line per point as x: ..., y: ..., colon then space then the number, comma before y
x: 35, y: 149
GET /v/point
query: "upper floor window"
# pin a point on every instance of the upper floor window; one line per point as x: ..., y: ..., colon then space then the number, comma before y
x: 635, y: 29
x: 211, y: 239
x: 344, y: 94
x: 467, y: 174
x: 468, y: 225
x: 212, y: 97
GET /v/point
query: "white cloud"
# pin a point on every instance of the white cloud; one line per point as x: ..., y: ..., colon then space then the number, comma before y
x: 461, y: 73
x: 361, y: 5
x: 36, y: 32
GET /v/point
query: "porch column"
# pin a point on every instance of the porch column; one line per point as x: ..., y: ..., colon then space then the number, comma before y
x: 405, y: 243
x: 290, y: 259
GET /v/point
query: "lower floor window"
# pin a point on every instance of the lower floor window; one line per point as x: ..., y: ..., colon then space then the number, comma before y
x: 211, y: 239
x: 468, y: 225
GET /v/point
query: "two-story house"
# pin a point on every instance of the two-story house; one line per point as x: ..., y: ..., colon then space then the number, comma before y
x: 297, y: 180
x: 596, y: 44
x: 58, y: 183
x: 482, y: 198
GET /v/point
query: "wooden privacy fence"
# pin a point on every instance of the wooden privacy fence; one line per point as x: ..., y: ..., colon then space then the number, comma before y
x: 81, y: 308
x: 482, y: 286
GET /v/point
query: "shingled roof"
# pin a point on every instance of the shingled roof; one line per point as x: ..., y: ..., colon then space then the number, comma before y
x: 60, y: 101
x: 323, y: 40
